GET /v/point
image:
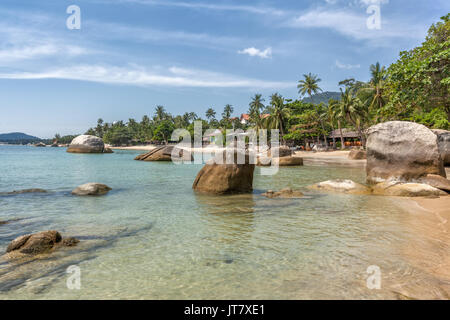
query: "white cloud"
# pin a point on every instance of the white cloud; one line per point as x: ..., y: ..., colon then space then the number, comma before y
x: 209, y: 6
x: 353, y: 24
x: 254, y: 52
x: 139, y: 76
x: 347, y: 66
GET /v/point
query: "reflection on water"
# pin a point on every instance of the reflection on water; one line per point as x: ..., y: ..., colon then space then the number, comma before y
x: 152, y: 237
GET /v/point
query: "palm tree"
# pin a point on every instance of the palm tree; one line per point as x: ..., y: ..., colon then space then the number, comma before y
x: 278, y: 115
x: 256, y: 106
x: 336, y: 114
x: 227, y: 111
x: 160, y: 113
x: 352, y: 109
x: 375, y: 89
x: 210, y: 114
x: 309, y: 85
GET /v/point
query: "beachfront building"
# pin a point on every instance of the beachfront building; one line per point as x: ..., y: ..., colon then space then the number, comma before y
x: 351, y: 137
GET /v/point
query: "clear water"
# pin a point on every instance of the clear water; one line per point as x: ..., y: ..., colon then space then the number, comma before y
x: 152, y: 237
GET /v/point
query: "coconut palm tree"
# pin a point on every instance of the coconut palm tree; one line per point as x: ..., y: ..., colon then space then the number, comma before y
x: 372, y: 94
x: 160, y: 113
x: 309, y: 85
x: 256, y: 106
x: 227, y: 111
x: 334, y: 108
x: 279, y: 114
x: 210, y: 114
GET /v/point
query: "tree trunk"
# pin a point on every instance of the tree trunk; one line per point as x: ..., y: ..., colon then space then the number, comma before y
x: 342, y: 136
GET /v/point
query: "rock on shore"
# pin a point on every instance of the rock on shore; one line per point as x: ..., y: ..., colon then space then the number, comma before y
x: 409, y: 189
x: 91, y: 189
x: 444, y: 145
x: 280, y: 156
x: 165, y: 154
x: 86, y: 144
x: 357, y: 155
x: 227, y: 177
x: 402, y: 151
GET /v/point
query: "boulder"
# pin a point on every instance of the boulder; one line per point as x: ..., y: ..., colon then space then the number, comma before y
x: 107, y: 150
x: 285, y: 158
x: 227, y: 176
x: 282, y: 151
x: 39, y: 242
x: 86, y: 144
x: 164, y: 153
x: 287, y: 161
x: 283, y: 193
x: 409, y: 189
x: 444, y: 145
x: 341, y: 186
x: 401, y: 151
x: 436, y: 181
x: 356, y: 154
x: 40, y: 144
x: 91, y: 189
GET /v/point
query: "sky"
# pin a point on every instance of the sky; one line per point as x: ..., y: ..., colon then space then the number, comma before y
x: 128, y: 56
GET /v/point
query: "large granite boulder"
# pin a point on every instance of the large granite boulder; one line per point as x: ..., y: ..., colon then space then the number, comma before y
x: 341, y: 186
x: 86, y: 144
x: 225, y: 174
x: 39, y: 242
x: 356, y: 154
x: 91, y: 189
x: 165, y: 153
x: 444, y: 145
x: 409, y: 189
x: 401, y: 151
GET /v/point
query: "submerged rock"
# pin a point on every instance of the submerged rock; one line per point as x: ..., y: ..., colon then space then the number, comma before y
x: 283, y: 193
x: 33, y: 190
x: 86, y: 144
x: 165, y: 154
x: 402, y: 151
x: 444, y: 145
x: 227, y: 177
x: 341, y: 186
x: 409, y: 189
x: 39, y: 242
x: 357, y: 155
x: 40, y: 144
x: 91, y: 189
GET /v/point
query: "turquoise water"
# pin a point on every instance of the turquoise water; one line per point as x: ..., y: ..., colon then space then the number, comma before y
x: 152, y: 237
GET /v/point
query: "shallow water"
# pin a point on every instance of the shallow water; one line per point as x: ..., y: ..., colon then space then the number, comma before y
x: 152, y: 237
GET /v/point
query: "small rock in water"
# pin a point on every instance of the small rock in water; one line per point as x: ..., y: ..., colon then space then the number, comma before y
x: 283, y: 193
x: 33, y: 190
x: 40, y: 242
x: 91, y: 189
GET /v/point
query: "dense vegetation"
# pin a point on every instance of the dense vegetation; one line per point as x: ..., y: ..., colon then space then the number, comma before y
x: 414, y: 88
x: 18, y: 138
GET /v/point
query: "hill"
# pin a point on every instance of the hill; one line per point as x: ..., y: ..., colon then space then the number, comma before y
x: 323, y: 97
x: 18, y: 138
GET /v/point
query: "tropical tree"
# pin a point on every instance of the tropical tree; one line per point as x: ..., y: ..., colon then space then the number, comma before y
x: 337, y: 115
x: 279, y: 114
x: 309, y: 85
x: 256, y: 106
x: 226, y: 114
x: 210, y: 114
x: 160, y: 114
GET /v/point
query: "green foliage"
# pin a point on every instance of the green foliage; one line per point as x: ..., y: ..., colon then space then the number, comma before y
x: 419, y: 80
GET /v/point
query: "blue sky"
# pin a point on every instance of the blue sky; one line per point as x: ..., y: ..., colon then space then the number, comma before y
x: 131, y: 55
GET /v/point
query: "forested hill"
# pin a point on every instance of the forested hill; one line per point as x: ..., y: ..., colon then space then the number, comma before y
x: 323, y: 97
x: 17, y: 137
